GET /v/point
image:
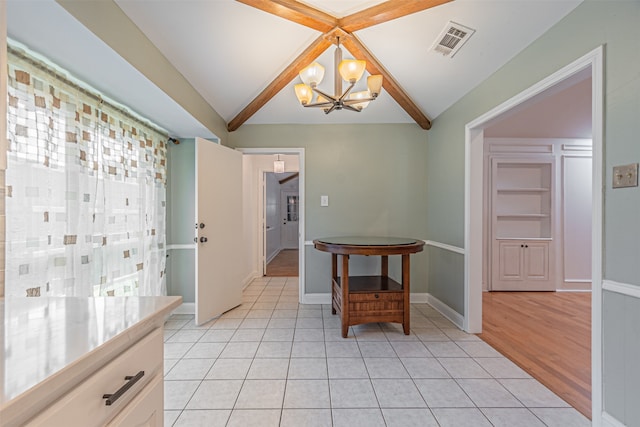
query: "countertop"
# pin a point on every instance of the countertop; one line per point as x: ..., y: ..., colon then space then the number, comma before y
x: 50, y: 344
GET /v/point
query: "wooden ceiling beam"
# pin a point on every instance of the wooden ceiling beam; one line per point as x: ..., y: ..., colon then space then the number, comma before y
x: 290, y: 72
x: 384, y: 12
x: 358, y: 50
x: 296, y: 12
x: 289, y: 178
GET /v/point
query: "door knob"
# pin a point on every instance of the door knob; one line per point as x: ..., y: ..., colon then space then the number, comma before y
x: 203, y: 240
x: 202, y: 225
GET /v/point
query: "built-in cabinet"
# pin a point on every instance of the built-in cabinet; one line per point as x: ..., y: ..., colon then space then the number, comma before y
x: 83, y: 361
x: 134, y: 382
x: 522, y: 265
x: 522, y: 214
x: 537, y: 214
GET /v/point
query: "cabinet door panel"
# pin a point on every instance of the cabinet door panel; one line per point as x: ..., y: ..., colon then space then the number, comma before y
x: 537, y: 261
x: 511, y: 265
x: 522, y: 265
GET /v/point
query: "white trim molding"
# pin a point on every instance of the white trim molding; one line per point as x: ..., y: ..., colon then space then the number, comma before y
x: 187, y: 246
x: 445, y: 246
x: 316, y: 298
x: 442, y: 308
x: 609, y: 421
x: 418, y: 298
x: 250, y: 278
x: 185, y: 308
x: 621, y: 288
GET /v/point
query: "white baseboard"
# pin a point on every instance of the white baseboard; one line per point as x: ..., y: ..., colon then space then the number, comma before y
x: 186, y: 308
x: 575, y: 285
x: 609, y: 421
x: 250, y: 277
x: 456, y: 318
x: 419, y: 298
x: 316, y: 298
x: 272, y: 256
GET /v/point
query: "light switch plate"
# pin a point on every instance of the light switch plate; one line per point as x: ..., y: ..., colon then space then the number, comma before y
x: 625, y: 176
x: 324, y: 200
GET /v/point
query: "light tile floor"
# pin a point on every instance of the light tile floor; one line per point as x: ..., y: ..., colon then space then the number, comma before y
x: 274, y: 362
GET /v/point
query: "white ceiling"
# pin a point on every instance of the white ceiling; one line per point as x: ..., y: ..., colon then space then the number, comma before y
x: 230, y: 52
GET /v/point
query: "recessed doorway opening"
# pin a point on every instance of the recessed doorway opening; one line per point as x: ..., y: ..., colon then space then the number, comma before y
x: 274, y: 209
x: 476, y: 251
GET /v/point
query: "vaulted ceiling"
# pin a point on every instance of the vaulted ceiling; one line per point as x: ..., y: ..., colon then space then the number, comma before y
x: 243, y: 56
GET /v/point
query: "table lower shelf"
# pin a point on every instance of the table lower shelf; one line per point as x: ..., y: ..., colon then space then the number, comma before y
x: 370, y: 299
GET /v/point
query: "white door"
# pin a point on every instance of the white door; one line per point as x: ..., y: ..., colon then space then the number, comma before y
x: 218, y: 229
x: 289, y: 209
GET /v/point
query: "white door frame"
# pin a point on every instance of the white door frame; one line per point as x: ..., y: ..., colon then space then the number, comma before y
x: 301, y: 215
x: 473, y: 215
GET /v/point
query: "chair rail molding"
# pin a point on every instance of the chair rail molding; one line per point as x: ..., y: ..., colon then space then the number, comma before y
x: 445, y: 246
x: 621, y: 288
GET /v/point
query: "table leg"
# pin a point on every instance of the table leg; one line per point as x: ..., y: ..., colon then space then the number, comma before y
x: 406, y: 292
x: 345, y: 295
x: 334, y: 278
x: 384, y: 266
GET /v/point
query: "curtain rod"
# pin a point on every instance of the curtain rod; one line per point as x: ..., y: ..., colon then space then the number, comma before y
x: 96, y: 96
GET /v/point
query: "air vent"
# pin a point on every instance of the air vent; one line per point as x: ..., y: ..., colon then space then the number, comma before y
x: 451, y: 39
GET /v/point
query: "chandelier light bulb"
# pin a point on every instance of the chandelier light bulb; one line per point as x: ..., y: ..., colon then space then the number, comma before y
x: 351, y: 70
x: 374, y: 83
x: 312, y: 75
x: 361, y: 95
x: 304, y: 93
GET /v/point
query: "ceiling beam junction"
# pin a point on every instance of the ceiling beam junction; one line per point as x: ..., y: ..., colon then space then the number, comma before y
x: 332, y: 28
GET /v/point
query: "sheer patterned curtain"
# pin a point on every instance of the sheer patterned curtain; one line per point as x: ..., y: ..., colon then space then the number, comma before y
x: 86, y: 183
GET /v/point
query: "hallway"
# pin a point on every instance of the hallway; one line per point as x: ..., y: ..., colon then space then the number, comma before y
x: 285, y: 264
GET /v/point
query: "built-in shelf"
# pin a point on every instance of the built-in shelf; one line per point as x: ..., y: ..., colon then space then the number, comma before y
x: 522, y: 223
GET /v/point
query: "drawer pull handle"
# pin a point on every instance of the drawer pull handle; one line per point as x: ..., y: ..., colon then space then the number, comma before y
x: 377, y: 296
x: 111, y: 398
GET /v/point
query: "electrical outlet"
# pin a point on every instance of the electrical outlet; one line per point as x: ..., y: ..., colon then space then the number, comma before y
x: 625, y: 176
x: 324, y: 200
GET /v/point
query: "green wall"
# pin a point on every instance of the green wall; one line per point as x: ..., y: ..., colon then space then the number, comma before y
x: 374, y: 176
x: 614, y: 24
x: 180, y: 219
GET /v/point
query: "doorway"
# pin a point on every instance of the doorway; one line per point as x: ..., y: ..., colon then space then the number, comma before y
x: 474, y: 207
x: 281, y: 210
x: 257, y: 164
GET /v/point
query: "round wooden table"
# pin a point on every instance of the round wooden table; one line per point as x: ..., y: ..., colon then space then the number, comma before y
x: 365, y: 299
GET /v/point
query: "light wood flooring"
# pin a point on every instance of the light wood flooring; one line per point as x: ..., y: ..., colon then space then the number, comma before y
x: 548, y: 334
x: 285, y: 264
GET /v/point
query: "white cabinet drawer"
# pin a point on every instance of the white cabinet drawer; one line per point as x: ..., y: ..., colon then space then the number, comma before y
x: 146, y: 410
x: 85, y: 405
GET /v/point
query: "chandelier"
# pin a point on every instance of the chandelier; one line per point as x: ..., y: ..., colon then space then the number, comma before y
x: 351, y: 70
